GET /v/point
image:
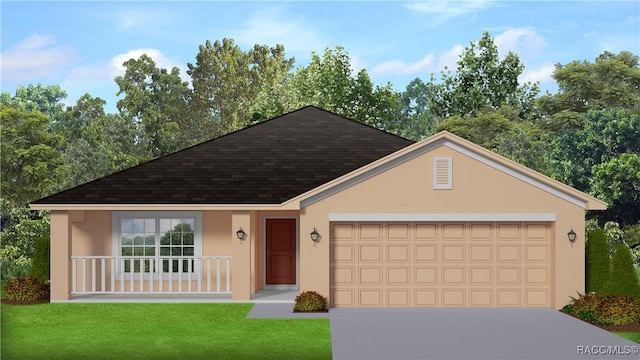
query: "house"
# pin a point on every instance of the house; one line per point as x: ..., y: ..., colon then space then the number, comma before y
x: 313, y: 201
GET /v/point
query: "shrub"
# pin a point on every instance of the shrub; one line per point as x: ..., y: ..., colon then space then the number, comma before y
x: 40, y: 263
x: 619, y: 310
x: 605, y: 309
x: 310, y: 301
x: 623, y: 280
x: 597, y: 261
x: 26, y: 289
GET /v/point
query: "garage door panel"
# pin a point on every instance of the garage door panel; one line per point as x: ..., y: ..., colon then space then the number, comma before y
x: 453, y: 297
x: 453, y: 275
x: 426, y: 232
x: 480, y: 232
x: 343, y: 253
x: 508, y: 253
x: 398, y: 253
x: 453, y: 253
x: 536, y: 276
x: 343, y: 297
x: 368, y: 275
x: 425, y: 253
x: 480, y: 297
x: 537, y: 253
x: 426, y: 275
x: 508, y: 232
x: 399, y: 297
x: 426, y: 297
x: 343, y: 275
x: 480, y: 253
x: 536, y: 297
x: 399, y: 275
x: 480, y: 276
x: 370, y: 232
x: 453, y: 232
x: 508, y: 275
x: 399, y: 232
x: 441, y: 264
x: 343, y: 232
x: 370, y: 297
x: 370, y: 252
x: 508, y: 297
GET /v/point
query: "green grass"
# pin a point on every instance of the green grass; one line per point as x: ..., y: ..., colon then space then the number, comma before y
x: 159, y: 331
x: 633, y: 336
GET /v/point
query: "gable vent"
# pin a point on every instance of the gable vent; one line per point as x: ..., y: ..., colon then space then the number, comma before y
x: 442, y: 173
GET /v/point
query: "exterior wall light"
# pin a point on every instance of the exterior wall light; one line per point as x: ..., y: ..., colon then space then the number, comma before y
x: 240, y: 234
x: 571, y: 235
x: 315, y: 235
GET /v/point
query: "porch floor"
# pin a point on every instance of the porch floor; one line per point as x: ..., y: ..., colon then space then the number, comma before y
x: 262, y: 296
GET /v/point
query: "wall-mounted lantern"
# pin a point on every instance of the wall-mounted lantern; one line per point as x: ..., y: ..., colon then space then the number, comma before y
x: 572, y: 235
x: 241, y: 234
x: 315, y: 235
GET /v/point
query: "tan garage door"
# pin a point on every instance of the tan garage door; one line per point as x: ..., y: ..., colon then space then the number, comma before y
x: 440, y: 264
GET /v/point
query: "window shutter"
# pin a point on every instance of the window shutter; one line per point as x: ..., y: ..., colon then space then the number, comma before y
x: 442, y: 173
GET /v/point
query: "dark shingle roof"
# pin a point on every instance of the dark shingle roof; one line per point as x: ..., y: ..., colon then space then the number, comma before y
x: 267, y: 163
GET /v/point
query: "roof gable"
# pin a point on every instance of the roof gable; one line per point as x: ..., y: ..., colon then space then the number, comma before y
x: 465, y: 147
x: 267, y: 163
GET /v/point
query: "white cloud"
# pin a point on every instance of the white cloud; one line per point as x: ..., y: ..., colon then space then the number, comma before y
x: 34, y: 58
x: 444, y: 10
x: 117, y: 69
x: 524, y: 41
x: 540, y: 74
x: 397, y: 67
x: 270, y: 30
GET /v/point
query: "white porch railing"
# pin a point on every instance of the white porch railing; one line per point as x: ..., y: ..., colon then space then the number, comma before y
x: 157, y: 275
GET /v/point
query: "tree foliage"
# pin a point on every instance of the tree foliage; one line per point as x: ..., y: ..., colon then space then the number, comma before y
x: 623, y: 280
x: 226, y: 80
x: 31, y: 161
x: 38, y: 98
x: 597, y: 261
x: 482, y: 82
x: 156, y: 100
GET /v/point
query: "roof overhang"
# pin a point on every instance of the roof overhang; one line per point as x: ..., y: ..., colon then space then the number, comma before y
x: 162, y: 207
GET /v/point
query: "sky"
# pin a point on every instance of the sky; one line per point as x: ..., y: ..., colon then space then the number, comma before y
x: 81, y: 45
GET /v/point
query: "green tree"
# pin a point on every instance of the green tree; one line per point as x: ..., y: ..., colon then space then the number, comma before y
x: 617, y: 182
x: 623, y: 280
x: 612, y: 81
x: 40, y: 98
x: 226, y: 81
x: 31, y: 161
x: 157, y: 101
x: 327, y: 82
x: 420, y: 120
x: 40, y: 264
x: 482, y: 129
x: 99, y: 144
x: 597, y: 261
x: 482, y: 82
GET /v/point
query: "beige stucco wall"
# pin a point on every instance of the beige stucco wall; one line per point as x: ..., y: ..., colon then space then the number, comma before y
x: 477, y: 188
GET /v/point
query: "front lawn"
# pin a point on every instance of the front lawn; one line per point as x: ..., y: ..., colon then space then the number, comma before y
x: 633, y: 336
x: 159, y: 331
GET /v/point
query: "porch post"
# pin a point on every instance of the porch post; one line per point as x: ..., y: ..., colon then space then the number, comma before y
x: 241, y: 256
x: 60, y: 256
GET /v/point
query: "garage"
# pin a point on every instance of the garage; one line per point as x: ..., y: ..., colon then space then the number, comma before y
x: 441, y: 264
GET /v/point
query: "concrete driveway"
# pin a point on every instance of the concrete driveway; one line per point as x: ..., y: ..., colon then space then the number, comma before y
x: 469, y: 334
x: 460, y: 334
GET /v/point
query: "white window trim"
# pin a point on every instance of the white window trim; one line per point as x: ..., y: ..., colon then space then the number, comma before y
x: 115, y: 233
x: 449, y: 184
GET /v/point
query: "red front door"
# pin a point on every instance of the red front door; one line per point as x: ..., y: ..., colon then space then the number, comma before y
x: 281, y: 251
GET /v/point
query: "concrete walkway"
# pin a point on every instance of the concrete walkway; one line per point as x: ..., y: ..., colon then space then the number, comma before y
x: 461, y: 334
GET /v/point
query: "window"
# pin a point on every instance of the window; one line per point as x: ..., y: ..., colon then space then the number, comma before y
x: 157, y: 241
x: 442, y: 173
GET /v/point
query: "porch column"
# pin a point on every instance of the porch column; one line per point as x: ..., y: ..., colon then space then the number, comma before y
x: 60, y: 256
x: 241, y: 256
